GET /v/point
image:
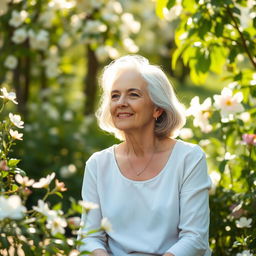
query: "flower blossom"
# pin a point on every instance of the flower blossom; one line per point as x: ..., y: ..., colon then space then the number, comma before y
x: 19, y: 36
x: 17, y: 18
x: 42, y: 207
x: 106, y: 225
x: 24, y: 181
x: 201, y: 113
x: 16, y: 120
x: 244, y: 253
x: 3, y: 165
x: 60, y: 186
x: 44, y: 182
x: 249, y: 139
x: 88, y: 205
x: 186, y: 133
x: 74, y: 221
x: 243, y: 222
x: 11, y: 62
x: 11, y: 207
x: 228, y: 103
x: 16, y: 135
x: 8, y: 95
x: 56, y: 225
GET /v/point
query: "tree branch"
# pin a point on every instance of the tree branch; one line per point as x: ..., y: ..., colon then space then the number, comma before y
x: 242, y: 37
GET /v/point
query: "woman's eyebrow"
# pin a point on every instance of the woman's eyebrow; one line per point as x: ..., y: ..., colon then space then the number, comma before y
x: 129, y: 90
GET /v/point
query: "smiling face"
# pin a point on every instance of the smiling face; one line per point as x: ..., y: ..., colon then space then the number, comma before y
x: 130, y: 105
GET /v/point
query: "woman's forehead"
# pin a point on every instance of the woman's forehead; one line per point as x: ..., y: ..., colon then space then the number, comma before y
x: 129, y: 78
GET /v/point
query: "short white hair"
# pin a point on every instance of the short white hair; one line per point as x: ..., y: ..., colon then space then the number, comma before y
x: 160, y: 91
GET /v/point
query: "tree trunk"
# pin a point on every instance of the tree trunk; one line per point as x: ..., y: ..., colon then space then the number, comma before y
x: 90, y: 81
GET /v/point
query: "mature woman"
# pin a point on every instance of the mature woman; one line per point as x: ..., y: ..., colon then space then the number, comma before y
x: 152, y: 188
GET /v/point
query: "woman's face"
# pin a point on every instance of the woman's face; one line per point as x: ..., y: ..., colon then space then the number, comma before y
x: 130, y: 105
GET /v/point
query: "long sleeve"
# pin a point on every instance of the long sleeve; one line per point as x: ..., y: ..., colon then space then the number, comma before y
x: 92, y: 220
x: 194, y: 207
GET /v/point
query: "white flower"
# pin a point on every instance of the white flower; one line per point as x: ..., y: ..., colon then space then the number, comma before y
x: 42, y: 208
x: 24, y: 181
x: 65, y: 41
x: 11, y: 62
x: 56, y: 225
x: 106, y: 51
x: 94, y: 27
x: 201, y: 113
x: 39, y: 41
x: 74, y: 221
x: 68, y: 115
x: 16, y: 135
x: 106, y: 225
x: 215, y: 178
x: 131, y: 25
x: 17, y: 18
x: 8, y: 95
x: 46, y: 18
x: 228, y: 156
x: 244, y: 253
x: 67, y: 171
x: 11, y: 207
x: 245, y: 117
x: 228, y: 103
x: 16, y: 120
x: 186, y: 133
x: 130, y: 46
x: 44, y: 182
x: 19, y: 36
x: 88, y: 205
x: 243, y: 222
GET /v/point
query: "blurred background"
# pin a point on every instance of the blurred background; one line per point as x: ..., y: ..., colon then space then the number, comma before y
x: 52, y: 53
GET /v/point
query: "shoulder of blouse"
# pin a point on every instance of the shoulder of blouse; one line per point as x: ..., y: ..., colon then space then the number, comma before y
x: 99, y: 156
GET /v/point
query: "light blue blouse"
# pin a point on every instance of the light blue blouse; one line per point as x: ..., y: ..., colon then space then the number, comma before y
x: 168, y: 213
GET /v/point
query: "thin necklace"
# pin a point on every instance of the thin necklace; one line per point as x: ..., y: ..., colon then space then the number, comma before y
x: 144, y: 169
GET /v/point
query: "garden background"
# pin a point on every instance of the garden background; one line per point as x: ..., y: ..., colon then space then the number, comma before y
x: 51, y: 55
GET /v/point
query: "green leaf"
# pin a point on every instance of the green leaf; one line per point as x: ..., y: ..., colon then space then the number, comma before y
x: 171, y: 3
x: 160, y: 5
x: 219, y: 27
x: 57, y: 207
x: 218, y: 58
x: 204, y: 28
x: 58, y: 194
x: 203, y: 62
x: 222, y: 165
x: 14, y: 187
x: 13, y: 162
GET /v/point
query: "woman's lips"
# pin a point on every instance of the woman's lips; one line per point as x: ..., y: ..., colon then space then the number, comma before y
x: 124, y: 115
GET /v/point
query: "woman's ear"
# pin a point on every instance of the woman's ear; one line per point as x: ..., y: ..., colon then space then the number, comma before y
x: 158, y: 112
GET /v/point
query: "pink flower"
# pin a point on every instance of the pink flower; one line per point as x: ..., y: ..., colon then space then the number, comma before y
x: 249, y: 139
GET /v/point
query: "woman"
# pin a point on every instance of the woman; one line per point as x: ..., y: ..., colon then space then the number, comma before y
x: 152, y: 188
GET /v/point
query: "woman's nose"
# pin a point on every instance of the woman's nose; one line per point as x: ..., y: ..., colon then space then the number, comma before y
x: 122, y: 101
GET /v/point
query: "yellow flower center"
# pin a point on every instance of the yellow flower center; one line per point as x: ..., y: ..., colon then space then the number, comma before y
x: 229, y: 103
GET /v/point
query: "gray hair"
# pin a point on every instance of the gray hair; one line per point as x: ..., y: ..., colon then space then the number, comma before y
x: 160, y: 91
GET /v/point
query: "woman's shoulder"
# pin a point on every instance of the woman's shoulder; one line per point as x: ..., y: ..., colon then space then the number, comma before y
x: 101, y: 155
x: 189, y: 148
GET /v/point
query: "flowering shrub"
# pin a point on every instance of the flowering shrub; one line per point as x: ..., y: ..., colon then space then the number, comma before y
x: 226, y: 131
x: 42, y: 229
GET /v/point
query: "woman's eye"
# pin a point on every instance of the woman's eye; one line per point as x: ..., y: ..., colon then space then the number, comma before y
x: 114, y: 96
x: 134, y: 95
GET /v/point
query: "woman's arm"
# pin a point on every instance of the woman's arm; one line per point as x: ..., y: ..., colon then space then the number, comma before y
x: 194, y: 207
x: 91, y: 220
x: 168, y: 254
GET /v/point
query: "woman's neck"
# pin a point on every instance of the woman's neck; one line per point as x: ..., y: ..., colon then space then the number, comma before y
x: 140, y: 144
